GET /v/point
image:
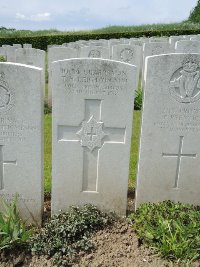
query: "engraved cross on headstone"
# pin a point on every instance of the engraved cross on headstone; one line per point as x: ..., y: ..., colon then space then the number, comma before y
x: 178, y: 155
x: 92, y: 135
x: 2, y: 163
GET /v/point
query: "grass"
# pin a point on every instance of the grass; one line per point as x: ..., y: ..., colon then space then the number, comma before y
x: 47, y: 152
x: 172, y: 229
x: 48, y: 148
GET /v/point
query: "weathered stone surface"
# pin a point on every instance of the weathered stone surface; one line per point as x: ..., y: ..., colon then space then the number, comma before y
x: 92, y: 124
x: 55, y: 54
x: 169, y: 158
x: 131, y: 54
x: 94, y: 51
x: 21, y: 138
x: 187, y: 47
x: 31, y: 56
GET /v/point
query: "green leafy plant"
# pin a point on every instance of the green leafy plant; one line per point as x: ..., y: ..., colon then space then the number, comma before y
x: 47, y: 108
x: 2, y: 58
x: 66, y: 234
x: 13, y: 231
x: 138, y: 99
x: 195, y: 13
x: 173, y: 229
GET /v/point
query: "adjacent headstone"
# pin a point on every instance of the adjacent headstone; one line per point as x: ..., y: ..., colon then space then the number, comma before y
x: 9, y: 52
x: 174, y: 39
x: 91, y: 134
x: 21, y: 138
x: 187, y: 47
x: 17, y: 46
x: 31, y: 56
x: 27, y: 45
x: 131, y: 54
x: 55, y: 54
x: 157, y: 48
x: 159, y: 39
x: 93, y: 51
x: 3, y: 53
x: 169, y: 157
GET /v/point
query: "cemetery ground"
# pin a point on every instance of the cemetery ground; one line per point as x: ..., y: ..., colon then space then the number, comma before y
x: 103, y: 240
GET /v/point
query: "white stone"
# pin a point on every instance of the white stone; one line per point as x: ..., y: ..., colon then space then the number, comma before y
x: 93, y: 51
x: 92, y: 125
x: 31, y: 56
x: 159, y: 39
x: 27, y: 45
x: 55, y: 54
x: 3, y: 52
x: 174, y: 39
x: 21, y: 138
x: 187, y: 47
x: 169, y: 157
x: 9, y: 52
x: 17, y: 46
x: 131, y: 54
x: 157, y: 48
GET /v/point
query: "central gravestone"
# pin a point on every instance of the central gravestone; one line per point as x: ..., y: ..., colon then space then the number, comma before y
x: 169, y: 159
x: 92, y: 124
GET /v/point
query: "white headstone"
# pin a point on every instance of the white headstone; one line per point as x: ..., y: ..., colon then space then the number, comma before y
x: 157, y: 48
x: 159, y: 39
x: 55, y: 54
x: 9, y: 52
x: 91, y: 134
x: 187, y: 47
x: 21, y: 138
x: 3, y: 53
x: 131, y: 54
x: 31, y: 56
x: 27, y: 45
x: 169, y: 157
x: 174, y: 39
x: 17, y: 46
x: 93, y: 51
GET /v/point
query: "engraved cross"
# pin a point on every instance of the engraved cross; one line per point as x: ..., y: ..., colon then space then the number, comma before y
x: 2, y: 164
x: 92, y: 135
x: 178, y: 155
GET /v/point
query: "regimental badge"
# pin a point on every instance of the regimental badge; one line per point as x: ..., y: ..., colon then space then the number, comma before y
x: 6, y: 94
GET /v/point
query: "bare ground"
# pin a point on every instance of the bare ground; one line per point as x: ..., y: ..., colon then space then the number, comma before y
x: 116, y: 246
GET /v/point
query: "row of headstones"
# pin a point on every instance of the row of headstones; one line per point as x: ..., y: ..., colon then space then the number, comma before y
x: 92, y: 126
x: 24, y: 55
x: 125, y: 50
x: 133, y: 51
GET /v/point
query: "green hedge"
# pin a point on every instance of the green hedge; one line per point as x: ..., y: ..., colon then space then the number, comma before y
x: 41, y: 42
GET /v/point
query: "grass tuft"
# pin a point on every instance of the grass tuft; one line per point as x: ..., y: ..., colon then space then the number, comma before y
x: 173, y: 229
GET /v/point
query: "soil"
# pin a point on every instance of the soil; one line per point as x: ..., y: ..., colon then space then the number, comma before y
x: 116, y: 246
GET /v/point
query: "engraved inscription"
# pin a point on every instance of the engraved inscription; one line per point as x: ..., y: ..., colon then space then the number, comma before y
x: 94, y: 54
x: 126, y: 55
x: 94, y: 81
x: 178, y: 155
x: 91, y: 133
x: 6, y: 94
x: 180, y: 118
x: 13, y: 129
x: 9, y: 197
x: 185, y: 82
